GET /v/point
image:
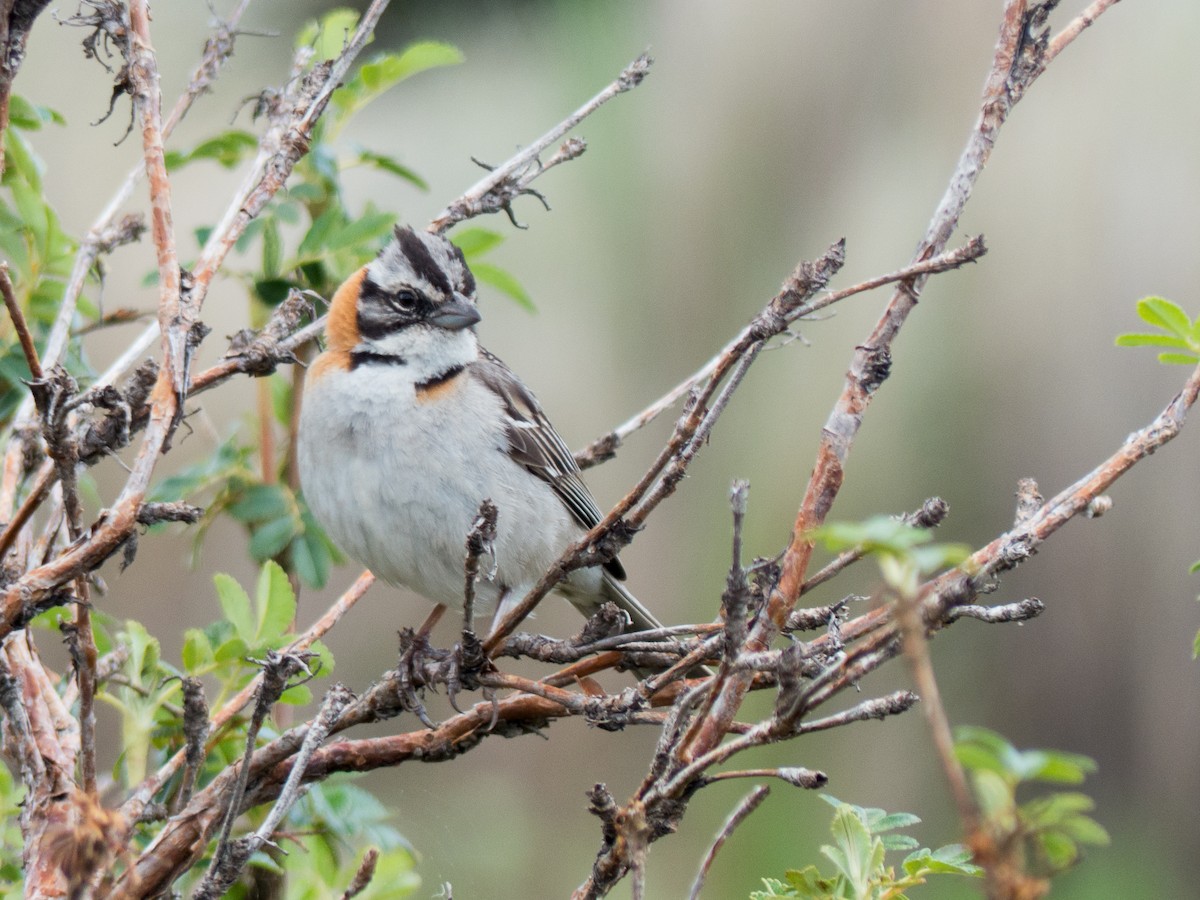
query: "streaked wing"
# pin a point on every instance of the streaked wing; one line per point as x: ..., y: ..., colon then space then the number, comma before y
x: 533, y: 442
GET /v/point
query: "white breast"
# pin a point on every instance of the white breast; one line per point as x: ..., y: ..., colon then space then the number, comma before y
x: 397, y: 481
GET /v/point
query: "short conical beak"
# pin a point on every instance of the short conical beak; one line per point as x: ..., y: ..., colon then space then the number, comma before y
x: 455, y: 314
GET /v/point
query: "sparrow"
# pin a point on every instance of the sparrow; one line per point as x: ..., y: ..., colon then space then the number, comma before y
x: 407, y: 425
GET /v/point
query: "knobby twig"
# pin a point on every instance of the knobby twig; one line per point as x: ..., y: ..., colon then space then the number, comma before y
x: 505, y: 182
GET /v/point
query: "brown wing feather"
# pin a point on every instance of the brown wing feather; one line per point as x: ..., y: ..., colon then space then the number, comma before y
x: 533, y: 442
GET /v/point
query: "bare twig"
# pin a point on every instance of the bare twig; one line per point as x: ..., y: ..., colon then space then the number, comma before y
x: 219, y: 878
x: 195, y: 733
x: 278, y: 670
x: 479, y: 542
x: 916, y: 648
x: 739, y: 815
x: 18, y: 320
x: 1076, y: 27
x: 505, y: 182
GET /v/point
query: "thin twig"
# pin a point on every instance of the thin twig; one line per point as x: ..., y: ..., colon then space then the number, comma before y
x: 18, y: 320
x: 497, y: 190
x: 739, y: 815
x: 1076, y: 27
x: 218, y: 880
x: 916, y: 648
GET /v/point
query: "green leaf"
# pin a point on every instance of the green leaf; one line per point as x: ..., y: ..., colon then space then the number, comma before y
x: 235, y: 604
x: 1178, y: 359
x: 1086, y: 830
x: 898, y: 842
x: 391, y: 166
x: 281, y: 399
x: 503, y: 281
x: 270, y: 538
x: 368, y: 230
x: 1057, y: 767
x: 23, y: 162
x: 276, y: 604
x: 1139, y: 339
x: 389, y: 69
x: 1060, y: 851
x: 475, y: 242
x: 313, y: 242
x: 310, y: 560
x: 1165, y: 314
x: 893, y: 821
x: 297, y: 695
x: 994, y: 793
x: 855, y: 854
x: 324, y: 661
x: 260, y: 502
x: 272, y: 291
x: 234, y: 649
x: 328, y: 35
x: 227, y: 149
x: 30, y: 116
x: 197, y: 651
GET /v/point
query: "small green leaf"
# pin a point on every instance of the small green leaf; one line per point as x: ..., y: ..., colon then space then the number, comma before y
x: 474, y: 242
x: 30, y: 116
x: 1058, y: 767
x: 391, y: 166
x: 281, y: 399
x: 303, y: 556
x: 1139, y: 339
x: 231, y: 650
x: 893, y: 821
x: 1165, y: 314
x: 503, y: 281
x: 260, y: 502
x: 1178, y: 359
x: 235, y: 604
x: 272, y: 291
x: 388, y: 70
x: 227, y: 149
x: 297, y: 695
x: 276, y: 604
x: 328, y: 35
x: 370, y: 230
x: 1086, y: 830
x: 197, y: 651
x: 898, y: 842
x: 994, y: 793
x: 270, y: 538
x: 1060, y: 851
x: 324, y: 661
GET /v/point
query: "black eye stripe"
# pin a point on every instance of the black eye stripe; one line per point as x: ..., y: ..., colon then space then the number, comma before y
x: 380, y: 314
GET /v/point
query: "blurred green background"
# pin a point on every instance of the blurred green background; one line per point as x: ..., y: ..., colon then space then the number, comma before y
x: 766, y: 131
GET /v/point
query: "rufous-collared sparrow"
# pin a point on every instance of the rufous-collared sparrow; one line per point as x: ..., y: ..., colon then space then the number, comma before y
x: 408, y: 424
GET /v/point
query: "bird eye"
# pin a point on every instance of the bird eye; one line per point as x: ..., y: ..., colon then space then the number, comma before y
x: 405, y: 301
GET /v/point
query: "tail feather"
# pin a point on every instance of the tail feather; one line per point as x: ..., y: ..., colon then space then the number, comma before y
x: 641, y: 619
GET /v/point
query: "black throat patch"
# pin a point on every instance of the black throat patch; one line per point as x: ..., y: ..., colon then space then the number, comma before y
x: 371, y: 358
x: 438, y: 380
